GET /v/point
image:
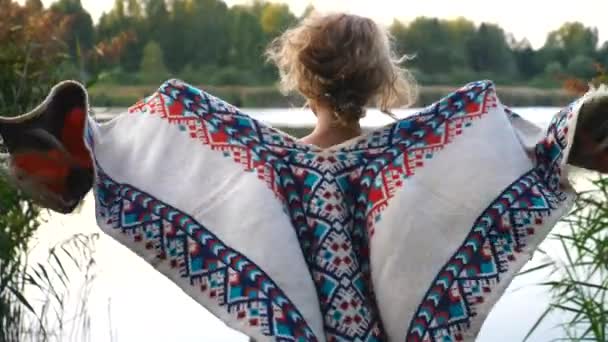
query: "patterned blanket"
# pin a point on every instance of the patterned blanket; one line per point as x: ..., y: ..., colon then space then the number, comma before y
x: 409, y: 233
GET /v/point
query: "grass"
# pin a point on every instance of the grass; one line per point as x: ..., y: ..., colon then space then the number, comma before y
x: 61, y: 285
x: 47, y: 300
x: 35, y: 296
x: 579, y: 277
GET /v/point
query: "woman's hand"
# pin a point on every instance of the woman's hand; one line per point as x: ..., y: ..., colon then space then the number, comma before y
x: 590, y: 148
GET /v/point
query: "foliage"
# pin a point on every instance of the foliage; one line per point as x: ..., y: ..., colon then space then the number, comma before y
x: 579, y: 277
x: 581, y: 66
x: 579, y: 86
x: 81, y: 35
x: 443, y: 46
x: 430, y: 58
x: 573, y: 37
x: 582, y: 289
x: 213, y: 36
x: 17, y: 225
x: 602, y: 54
x: 115, y: 23
x: 153, y: 68
x: 56, y: 290
x: 276, y: 18
x: 32, y: 46
x: 246, y: 49
x: 488, y: 50
x: 579, y: 282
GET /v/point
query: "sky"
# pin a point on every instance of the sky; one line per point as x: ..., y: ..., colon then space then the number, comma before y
x: 531, y: 19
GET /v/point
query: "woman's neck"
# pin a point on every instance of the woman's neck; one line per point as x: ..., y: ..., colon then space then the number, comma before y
x: 329, y: 132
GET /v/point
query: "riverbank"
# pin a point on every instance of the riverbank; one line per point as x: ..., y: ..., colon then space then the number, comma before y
x: 103, y: 95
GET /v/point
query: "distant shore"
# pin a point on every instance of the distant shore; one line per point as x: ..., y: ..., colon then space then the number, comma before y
x: 105, y: 95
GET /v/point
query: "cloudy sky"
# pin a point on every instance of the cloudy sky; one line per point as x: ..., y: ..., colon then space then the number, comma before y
x: 532, y: 19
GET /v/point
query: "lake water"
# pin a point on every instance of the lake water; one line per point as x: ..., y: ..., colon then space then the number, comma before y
x: 131, y: 302
x: 298, y: 117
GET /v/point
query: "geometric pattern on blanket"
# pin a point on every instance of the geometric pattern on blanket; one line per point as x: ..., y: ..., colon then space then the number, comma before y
x: 496, y: 240
x: 223, y: 274
x: 333, y: 201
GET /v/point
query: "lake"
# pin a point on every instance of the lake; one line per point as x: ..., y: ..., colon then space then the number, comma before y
x: 131, y: 302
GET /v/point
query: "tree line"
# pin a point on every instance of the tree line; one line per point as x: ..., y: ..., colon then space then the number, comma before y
x: 206, y: 41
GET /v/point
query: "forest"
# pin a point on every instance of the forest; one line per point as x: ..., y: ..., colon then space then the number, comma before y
x: 205, y: 41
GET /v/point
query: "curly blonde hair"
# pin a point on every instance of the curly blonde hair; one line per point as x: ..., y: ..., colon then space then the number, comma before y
x: 344, y: 60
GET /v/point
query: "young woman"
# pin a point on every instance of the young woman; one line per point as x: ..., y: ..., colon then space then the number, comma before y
x: 409, y: 232
x: 341, y: 64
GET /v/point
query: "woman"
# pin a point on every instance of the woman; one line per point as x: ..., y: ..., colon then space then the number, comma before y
x: 341, y: 63
x: 410, y: 232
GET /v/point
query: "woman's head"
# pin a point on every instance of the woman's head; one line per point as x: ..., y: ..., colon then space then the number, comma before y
x: 343, y: 61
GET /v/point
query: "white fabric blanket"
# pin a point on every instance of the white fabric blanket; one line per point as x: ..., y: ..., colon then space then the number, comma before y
x: 409, y: 233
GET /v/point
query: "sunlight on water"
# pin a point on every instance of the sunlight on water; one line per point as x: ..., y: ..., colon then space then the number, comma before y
x: 132, y: 302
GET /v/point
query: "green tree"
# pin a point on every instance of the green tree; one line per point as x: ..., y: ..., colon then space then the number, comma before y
x: 445, y: 54
x: 116, y: 22
x: 415, y: 39
x: 460, y: 31
x: 276, y: 18
x: 257, y: 7
x: 399, y: 33
x: 246, y: 38
x: 81, y: 36
x: 178, y: 26
x: 157, y: 17
x: 153, y: 68
x: 554, y: 69
x: 526, y: 60
x: 581, y: 66
x: 573, y: 38
x: 602, y: 55
x: 488, y: 51
x: 208, y: 29
x: 570, y: 40
x: 203, y: 29
x: 134, y: 8
x: 119, y: 8
x: 153, y: 58
x: 205, y: 36
x: 156, y: 21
